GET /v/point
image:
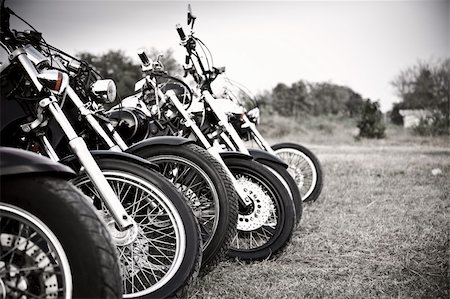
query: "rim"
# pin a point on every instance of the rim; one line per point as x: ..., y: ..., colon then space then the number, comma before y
x: 301, y: 168
x: 197, y: 188
x: 33, y: 263
x: 157, y: 251
x: 256, y: 233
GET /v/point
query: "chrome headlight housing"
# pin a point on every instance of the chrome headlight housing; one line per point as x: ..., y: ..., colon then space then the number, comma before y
x: 105, y: 90
x: 254, y: 115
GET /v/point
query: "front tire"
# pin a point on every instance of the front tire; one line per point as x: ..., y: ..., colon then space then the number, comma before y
x: 304, y: 167
x: 288, y: 181
x: 165, y: 256
x: 266, y: 226
x: 213, y: 198
x: 67, y: 214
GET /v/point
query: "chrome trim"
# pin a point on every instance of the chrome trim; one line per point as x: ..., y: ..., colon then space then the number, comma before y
x: 81, y: 151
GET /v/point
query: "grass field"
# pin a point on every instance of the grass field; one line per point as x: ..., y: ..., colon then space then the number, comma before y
x: 379, y: 229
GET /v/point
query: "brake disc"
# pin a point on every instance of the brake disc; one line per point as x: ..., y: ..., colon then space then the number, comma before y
x: 27, y: 255
x: 259, y: 211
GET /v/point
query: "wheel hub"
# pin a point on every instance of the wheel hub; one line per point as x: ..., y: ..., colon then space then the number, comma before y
x: 258, y: 212
x: 192, y: 198
x: 298, y: 176
x: 16, y: 282
x: 121, y: 238
x: 141, y: 261
x: 27, y: 254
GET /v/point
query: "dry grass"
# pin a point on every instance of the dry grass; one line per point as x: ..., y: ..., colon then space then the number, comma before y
x: 338, y: 130
x: 379, y: 229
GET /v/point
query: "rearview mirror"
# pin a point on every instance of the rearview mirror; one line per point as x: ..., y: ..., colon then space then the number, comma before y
x: 190, y: 17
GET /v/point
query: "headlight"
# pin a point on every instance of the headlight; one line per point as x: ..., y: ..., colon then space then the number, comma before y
x: 254, y: 115
x: 54, y: 80
x: 105, y: 90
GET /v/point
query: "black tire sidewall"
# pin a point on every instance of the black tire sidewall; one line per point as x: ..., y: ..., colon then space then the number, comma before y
x: 225, y: 198
x: 286, y: 217
x: 193, y: 244
x: 40, y: 198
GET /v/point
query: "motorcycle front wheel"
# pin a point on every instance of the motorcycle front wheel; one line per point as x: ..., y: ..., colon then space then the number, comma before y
x: 289, y: 183
x: 163, y: 257
x: 44, y: 221
x: 265, y: 226
x: 304, y: 167
x: 208, y: 190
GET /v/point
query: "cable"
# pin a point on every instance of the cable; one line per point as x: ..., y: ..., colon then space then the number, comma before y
x: 204, y: 45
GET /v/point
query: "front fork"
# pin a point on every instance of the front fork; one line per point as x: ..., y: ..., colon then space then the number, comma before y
x: 77, y: 145
x: 245, y: 201
x: 262, y: 143
x: 115, y: 145
x: 81, y: 151
x: 230, y: 135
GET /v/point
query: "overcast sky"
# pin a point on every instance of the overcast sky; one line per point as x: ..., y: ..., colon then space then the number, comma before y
x: 361, y: 44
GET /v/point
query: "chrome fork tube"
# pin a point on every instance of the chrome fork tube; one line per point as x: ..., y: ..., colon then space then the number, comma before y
x: 223, y: 122
x: 262, y: 143
x: 212, y: 150
x: 91, y: 120
x: 81, y: 151
x: 28, y: 66
x: 228, y: 141
x: 49, y: 149
x: 117, y: 138
x: 188, y: 120
x: 79, y: 148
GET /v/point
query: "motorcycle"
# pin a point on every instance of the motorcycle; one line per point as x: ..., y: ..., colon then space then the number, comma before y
x: 44, y: 219
x: 190, y: 168
x: 218, y: 110
x: 304, y: 166
x: 266, y: 214
x: 156, y: 234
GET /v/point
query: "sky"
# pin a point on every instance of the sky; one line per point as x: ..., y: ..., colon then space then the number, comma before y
x: 360, y: 44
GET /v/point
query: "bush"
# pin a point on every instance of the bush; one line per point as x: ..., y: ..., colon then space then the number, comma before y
x: 436, y: 125
x: 371, y: 122
x: 395, y: 116
x: 426, y: 86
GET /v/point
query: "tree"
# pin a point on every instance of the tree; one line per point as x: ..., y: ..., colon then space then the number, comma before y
x: 123, y: 70
x: 371, y: 123
x: 426, y: 86
x: 115, y: 65
x: 322, y: 98
x: 282, y: 99
x: 394, y: 114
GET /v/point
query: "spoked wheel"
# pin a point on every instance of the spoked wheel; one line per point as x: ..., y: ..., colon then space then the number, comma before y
x: 208, y: 190
x: 304, y: 167
x: 163, y: 255
x: 289, y: 183
x: 33, y: 263
x: 266, y: 225
x: 52, y: 243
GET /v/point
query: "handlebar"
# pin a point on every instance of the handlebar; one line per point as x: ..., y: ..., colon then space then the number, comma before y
x: 181, y: 32
x: 5, y: 13
x: 144, y: 58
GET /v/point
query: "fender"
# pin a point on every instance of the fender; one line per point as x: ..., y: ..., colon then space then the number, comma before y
x: 158, y: 140
x: 260, y: 155
x: 72, y: 160
x: 15, y: 161
x: 239, y: 155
